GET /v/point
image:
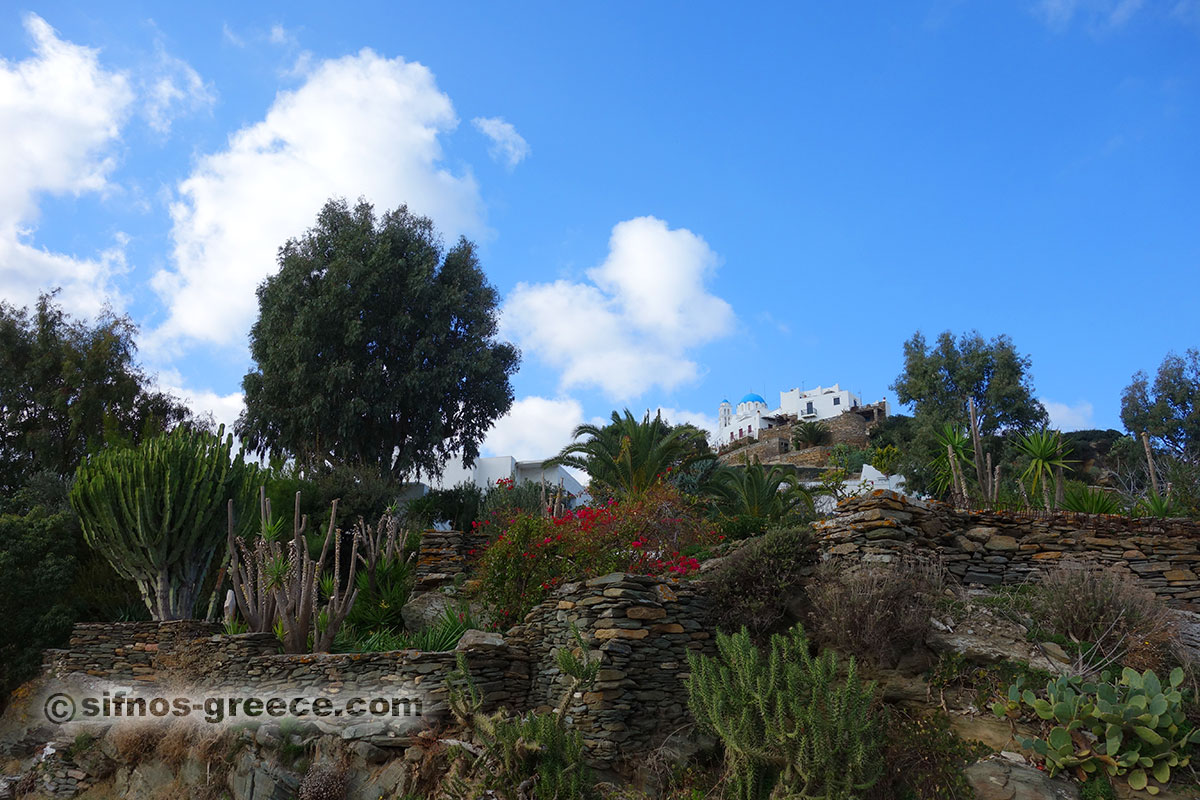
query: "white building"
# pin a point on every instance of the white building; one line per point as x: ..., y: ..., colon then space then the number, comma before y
x: 487, y: 471
x: 752, y: 414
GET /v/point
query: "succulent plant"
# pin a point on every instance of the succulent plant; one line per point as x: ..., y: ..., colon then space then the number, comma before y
x: 1134, y: 726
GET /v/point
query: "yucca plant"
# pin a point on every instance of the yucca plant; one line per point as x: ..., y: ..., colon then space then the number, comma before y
x: 1046, y: 452
x: 954, y: 451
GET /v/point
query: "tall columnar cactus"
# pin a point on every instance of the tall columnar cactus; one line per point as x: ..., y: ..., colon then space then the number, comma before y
x: 157, y: 512
x: 790, y: 726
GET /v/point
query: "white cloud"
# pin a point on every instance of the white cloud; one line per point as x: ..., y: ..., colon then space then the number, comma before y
x: 60, y: 115
x: 1097, y: 14
x: 362, y: 125
x: 508, y: 147
x: 279, y: 35
x: 173, y: 88
x: 534, y: 428
x: 225, y: 408
x: 1067, y: 417
x: 632, y: 326
x: 679, y: 416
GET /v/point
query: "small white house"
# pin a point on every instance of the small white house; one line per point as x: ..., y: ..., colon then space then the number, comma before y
x: 488, y: 471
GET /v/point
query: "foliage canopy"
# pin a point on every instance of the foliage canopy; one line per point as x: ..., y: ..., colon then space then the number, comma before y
x: 375, y: 346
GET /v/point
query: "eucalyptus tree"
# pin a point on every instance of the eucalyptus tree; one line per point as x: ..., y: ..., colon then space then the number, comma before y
x: 375, y: 346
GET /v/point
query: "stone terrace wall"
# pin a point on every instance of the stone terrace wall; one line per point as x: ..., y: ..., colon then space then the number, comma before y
x: 981, y: 547
x: 444, y: 555
x: 642, y: 629
x: 123, y: 651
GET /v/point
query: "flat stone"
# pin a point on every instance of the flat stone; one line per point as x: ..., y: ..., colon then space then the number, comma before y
x: 1001, y: 779
x: 472, y: 640
x: 622, y: 633
x: 1001, y: 542
x: 645, y: 612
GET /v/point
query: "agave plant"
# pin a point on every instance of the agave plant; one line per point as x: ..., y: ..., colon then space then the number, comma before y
x: 1046, y: 452
x: 1156, y: 505
x: 1091, y: 500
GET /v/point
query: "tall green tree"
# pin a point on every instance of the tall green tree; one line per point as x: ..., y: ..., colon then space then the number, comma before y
x: 375, y: 346
x: 1168, y: 409
x: 69, y: 387
x: 938, y: 381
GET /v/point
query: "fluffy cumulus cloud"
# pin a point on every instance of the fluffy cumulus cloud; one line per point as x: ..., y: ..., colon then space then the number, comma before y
x: 61, y: 113
x: 362, y: 125
x: 508, y: 147
x: 630, y: 326
x: 224, y: 408
x: 680, y: 416
x: 535, y: 427
x: 1066, y: 417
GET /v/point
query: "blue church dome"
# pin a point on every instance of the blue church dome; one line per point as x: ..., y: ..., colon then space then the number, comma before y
x: 753, y: 398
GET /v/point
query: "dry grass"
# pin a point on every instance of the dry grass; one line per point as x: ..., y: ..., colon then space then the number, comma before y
x: 1121, y: 621
x: 876, y: 612
x: 134, y: 741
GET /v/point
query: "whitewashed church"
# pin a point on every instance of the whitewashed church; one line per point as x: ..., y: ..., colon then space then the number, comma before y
x: 752, y: 414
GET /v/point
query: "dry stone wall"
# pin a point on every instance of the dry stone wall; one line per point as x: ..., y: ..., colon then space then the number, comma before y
x: 641, y: 629
x: 444, y: 555
x: 988, y: 547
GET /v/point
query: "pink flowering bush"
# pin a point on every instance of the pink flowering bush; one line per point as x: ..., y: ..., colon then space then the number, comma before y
x: 655, y: 534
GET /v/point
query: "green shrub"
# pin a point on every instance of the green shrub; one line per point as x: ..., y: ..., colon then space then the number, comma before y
x: 753, y: 585
x: 1138, y: 726
x: 790, y: 726
x: 925, y: 759
x: 380, y: 609
x: 37, y: 565
x: 875, y: 612
x: 1097, y: 787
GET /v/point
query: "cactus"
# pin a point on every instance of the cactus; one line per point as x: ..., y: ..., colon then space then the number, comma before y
x: 278, y: 587
x: 789, y: 726
x: 154, y: 511
x: 1134, y: 727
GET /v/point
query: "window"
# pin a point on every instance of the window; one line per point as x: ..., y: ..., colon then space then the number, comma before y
x: 809, y: 408
x: 837, y: 401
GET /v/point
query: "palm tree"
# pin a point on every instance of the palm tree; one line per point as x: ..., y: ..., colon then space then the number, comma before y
x: 1045, y: 450
x: 948, y: 474
x: 627, y: 457
x: 810, y: 434
x: 755, y: 491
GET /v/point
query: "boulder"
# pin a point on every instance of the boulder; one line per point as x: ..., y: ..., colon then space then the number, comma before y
x: 1002, y: 779
x: 426, y: 609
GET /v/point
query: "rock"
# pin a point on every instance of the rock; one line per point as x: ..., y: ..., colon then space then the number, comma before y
x: 1000, y: 779
x: 980, y: 534
x: 1055, y: 652
x: 475, y: 640
x: 425, y: 610
x: 1001, y: 542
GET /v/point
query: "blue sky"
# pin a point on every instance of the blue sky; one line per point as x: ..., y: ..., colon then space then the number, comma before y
x: 679, y: 202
